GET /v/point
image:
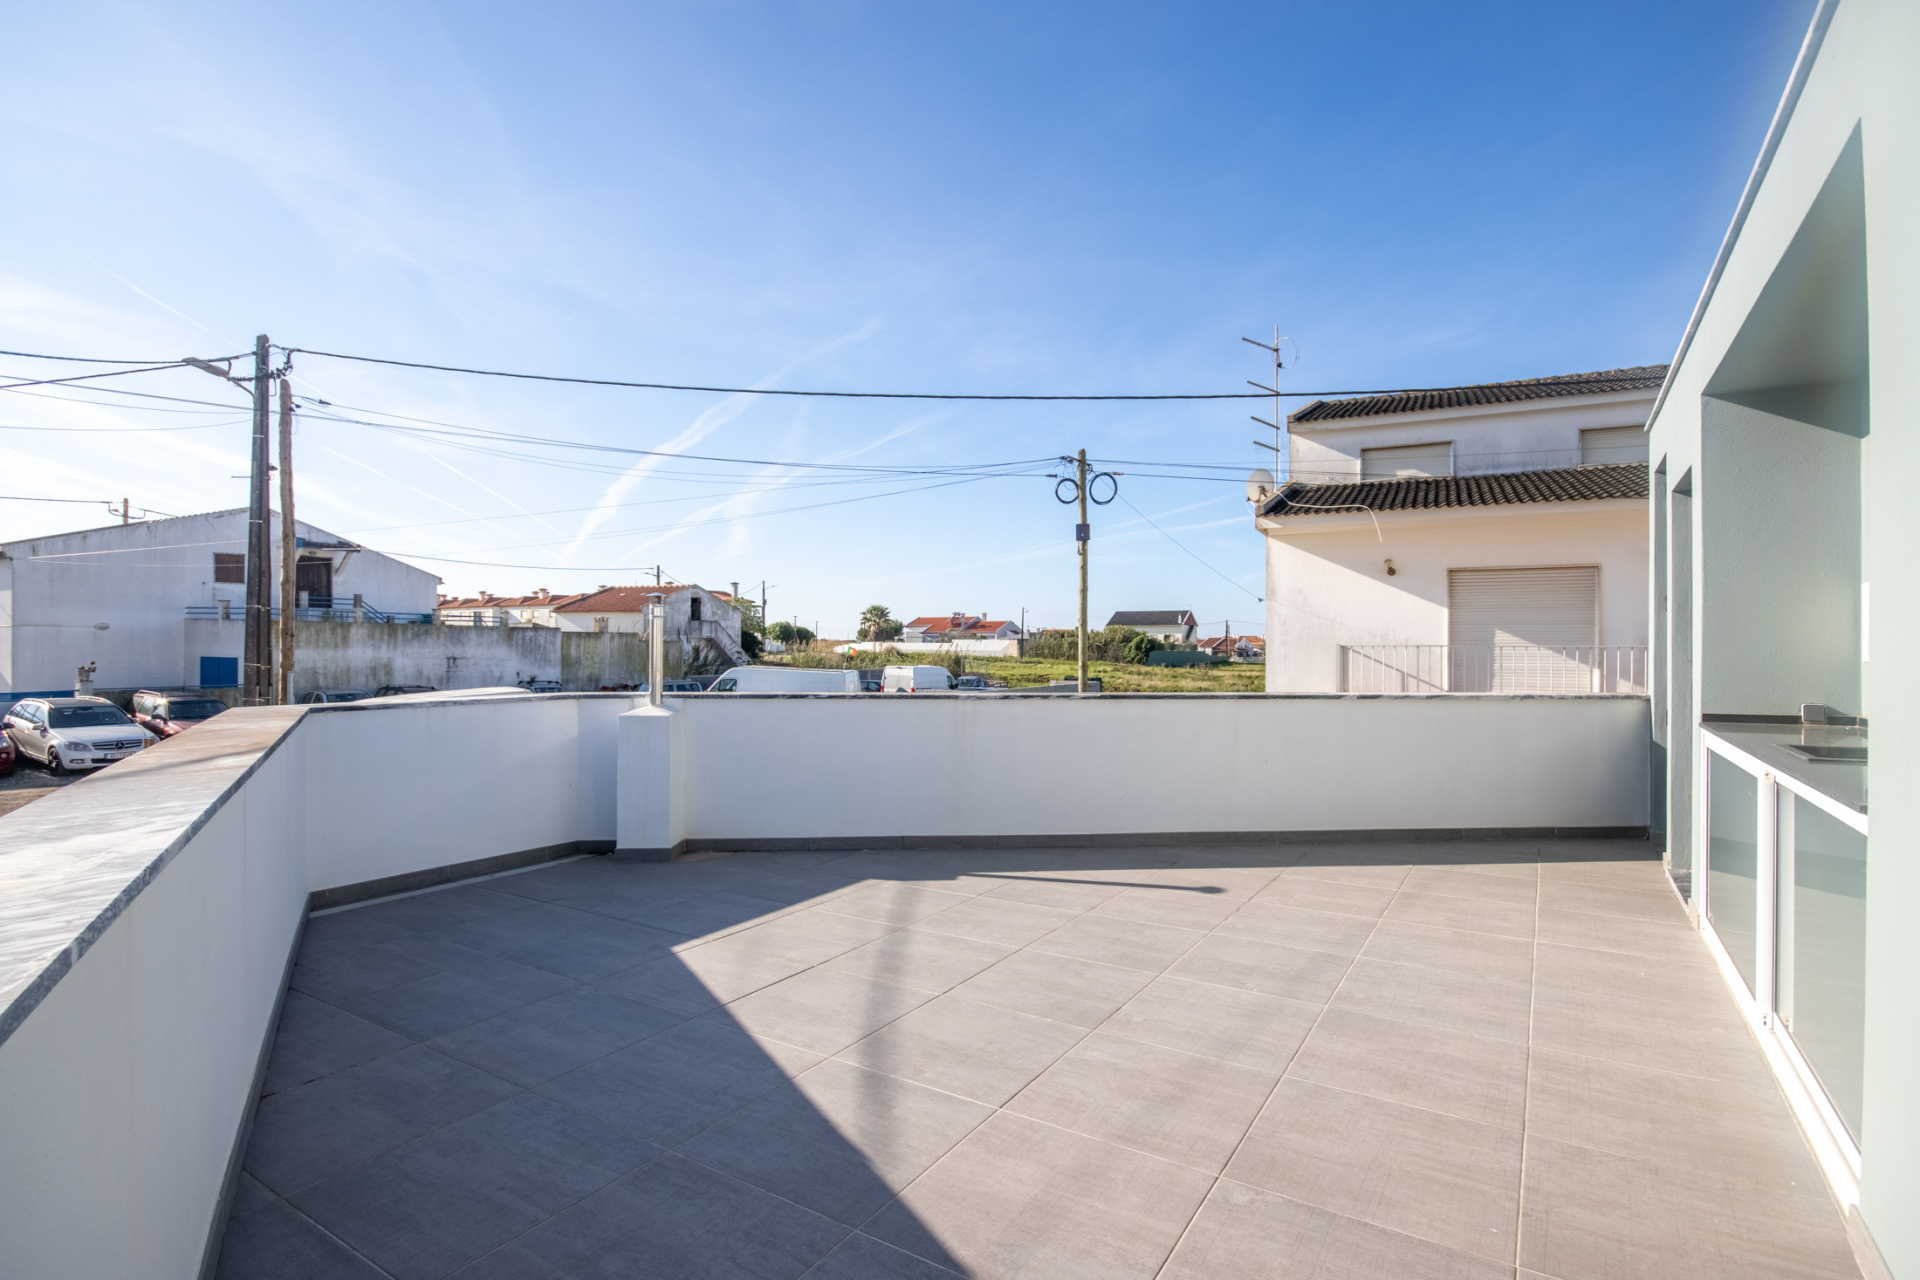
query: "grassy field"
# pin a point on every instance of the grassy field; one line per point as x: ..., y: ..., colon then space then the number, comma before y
x: 1117, y: 677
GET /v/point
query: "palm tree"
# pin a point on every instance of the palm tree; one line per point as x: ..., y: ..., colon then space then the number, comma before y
x: 876, y: 622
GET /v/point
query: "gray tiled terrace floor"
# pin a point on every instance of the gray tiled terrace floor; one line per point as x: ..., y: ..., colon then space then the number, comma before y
x: 1350, y: 1061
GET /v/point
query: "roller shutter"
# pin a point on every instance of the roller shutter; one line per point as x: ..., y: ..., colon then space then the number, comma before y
x: 1613, y: 444
x: 1407, y: 460
x: 1523, y: 630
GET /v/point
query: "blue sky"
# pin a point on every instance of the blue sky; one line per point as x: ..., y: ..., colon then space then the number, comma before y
x: 908, y: 197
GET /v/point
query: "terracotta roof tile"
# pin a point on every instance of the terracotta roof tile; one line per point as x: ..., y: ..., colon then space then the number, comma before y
x: 1646, y: 377
x: 1424, y: 493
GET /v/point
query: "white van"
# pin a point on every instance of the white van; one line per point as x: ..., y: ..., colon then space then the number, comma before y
x: 787, y: 680
x: 916, y: 680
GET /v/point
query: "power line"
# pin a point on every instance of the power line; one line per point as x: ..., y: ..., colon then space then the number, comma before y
x: 29, y: 355
x: 82, y: 377
x: 843, y: 395
x: 508, y: 437
x: 1176, y: 542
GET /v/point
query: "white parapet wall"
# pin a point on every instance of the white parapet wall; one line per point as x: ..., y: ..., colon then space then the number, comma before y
x: 149, y: 914
x: 958, y: 767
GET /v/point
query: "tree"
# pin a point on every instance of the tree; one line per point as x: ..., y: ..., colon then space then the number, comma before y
x: 802, y: 636
x: 783, y: 632
x: 877, y: 624
x: 1139, y: 647
x: 750, y: 619
x: 751, y: 643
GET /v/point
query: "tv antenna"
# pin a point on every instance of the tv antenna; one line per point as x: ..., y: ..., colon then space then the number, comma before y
x: 1279, y: 454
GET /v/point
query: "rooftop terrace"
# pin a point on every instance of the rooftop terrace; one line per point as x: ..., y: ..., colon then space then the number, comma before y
x: 1510, y: 1059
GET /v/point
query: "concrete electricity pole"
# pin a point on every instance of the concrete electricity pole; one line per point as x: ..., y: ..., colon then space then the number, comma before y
x: 289, y: 595
x: 256, y: 676
x: 256, y: 681
x: 1082, y: 534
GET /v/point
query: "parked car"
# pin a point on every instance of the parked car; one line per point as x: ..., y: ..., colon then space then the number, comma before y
x: 541, y: 686
x: 7, y: 754
x: 74, y: 733
x: 969, y: 682
x: 333, y: 695
x: 917, y: 679
x: 872, y: 686
x: 166, y: 714
x: 787, y: 680
x: 673, y: 686
x: 393, y: 690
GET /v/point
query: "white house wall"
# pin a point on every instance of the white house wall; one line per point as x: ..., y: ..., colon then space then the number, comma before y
x: 139, y: 579
x: 1529, y: 436
x: 1862, y: 79
x: 1327, y: 589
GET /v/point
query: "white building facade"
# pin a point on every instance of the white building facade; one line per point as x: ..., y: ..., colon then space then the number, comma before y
x: 702, y: 626
x: 119, y: 598
x: 1486, y: 538
x: 1783, y: 450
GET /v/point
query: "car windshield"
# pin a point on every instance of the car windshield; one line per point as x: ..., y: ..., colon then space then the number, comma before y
x: 85, y: 717
x: 198, y: 709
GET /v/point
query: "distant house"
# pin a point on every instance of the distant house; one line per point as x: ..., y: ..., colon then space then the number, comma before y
x: 1241, y: 648
x: 1481, y: 538
x: 488, y: 610
x: 697, y: 619
x: 158, y: 602
x: 958, y: 626
x: 1172, y: 626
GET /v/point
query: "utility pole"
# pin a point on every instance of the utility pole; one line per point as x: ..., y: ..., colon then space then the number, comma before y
x: 289, y: 595
x: 126, y: 511
x: 656, y: 575
x: 256, y: 687
x: 1083, y: 534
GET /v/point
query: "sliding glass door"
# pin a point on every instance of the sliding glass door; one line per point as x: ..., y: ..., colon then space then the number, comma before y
x: 1784, y: 893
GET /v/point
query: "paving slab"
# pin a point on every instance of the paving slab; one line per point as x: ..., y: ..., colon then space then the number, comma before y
x: 1463, y: 1061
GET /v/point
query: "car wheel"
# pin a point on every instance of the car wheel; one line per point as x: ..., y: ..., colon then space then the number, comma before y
x: 54, y: 766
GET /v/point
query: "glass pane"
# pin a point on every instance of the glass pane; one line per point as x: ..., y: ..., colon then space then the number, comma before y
x: 1823, y: 961
x: 1733, y: 819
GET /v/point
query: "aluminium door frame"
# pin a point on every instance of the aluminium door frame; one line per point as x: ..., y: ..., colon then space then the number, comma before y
x: 1834, y: 1146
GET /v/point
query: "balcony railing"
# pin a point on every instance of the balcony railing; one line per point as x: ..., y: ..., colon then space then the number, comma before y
x: 341, y: 611
x: 1502, y: 668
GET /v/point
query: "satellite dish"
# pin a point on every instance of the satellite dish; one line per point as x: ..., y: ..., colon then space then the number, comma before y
x: 1259, y: 484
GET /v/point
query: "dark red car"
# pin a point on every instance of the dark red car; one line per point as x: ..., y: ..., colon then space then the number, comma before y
x: 7, y: 754
x: 165, y: 714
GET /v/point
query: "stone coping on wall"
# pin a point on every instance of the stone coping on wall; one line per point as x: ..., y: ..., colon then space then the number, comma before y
x: 70, y: 864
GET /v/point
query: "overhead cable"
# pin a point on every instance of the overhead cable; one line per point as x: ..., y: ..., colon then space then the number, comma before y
x: 845, y: 395
x: 29, y: 355
x: 82, y: 377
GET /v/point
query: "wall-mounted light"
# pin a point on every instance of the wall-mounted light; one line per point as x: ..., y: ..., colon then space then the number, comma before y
x: 1390, y: 569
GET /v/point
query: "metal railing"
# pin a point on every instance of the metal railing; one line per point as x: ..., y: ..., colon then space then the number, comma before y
x: 342, y: 612
x: 1502, y: 668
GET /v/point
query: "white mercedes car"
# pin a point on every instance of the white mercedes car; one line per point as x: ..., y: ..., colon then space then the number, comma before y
x: 74, y: 733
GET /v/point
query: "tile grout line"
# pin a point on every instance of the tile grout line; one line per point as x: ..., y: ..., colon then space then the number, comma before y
x: 1226, y: 1164
x: 999, y: 1109
x: 1526, y: 1110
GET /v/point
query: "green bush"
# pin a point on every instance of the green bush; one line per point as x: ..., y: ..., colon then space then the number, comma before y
x: 1140, y: 647
x: 1107, y: 645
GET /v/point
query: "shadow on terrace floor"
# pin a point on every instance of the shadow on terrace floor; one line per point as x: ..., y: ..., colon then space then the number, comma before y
x: 1357, y: 1060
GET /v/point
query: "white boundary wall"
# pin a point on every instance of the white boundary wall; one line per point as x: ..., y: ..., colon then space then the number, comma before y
x: 1013, y: 765
x: 148, y: 913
